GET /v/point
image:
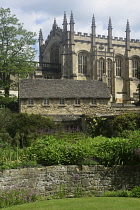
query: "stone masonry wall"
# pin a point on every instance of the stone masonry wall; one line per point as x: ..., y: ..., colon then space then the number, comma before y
x: 48, y: 180
x: 69, y: 108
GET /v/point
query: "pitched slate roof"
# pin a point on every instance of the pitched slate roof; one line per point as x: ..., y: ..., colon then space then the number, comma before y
x: 58, y: 88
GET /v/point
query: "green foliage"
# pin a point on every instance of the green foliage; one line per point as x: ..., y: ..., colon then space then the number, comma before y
x: 17, y: 195
x: 126, y: 122
x: 16, y: 158
x: 23, y: 128
x: 61, y: 192
x: 117, y: 151
x: 99, y: 126
x: 135, y: 192
x: 100, y: 150
x: 117, y: 193
x: 31, y: 132
x: 51, y: 150
x: 16, y: 49
x: 5, y: 119
x: 10, y: 103
x: 114, y: 126
x: 78, y: 191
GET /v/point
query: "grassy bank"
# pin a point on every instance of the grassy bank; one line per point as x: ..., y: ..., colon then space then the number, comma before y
x: 99, y: 203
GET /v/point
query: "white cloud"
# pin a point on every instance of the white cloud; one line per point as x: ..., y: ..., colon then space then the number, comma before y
x: 36, y: 14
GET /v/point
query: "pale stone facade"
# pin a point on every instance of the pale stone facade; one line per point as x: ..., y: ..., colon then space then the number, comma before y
x: 94, y: 57
x: 69, y: 108
x: 55, y: 98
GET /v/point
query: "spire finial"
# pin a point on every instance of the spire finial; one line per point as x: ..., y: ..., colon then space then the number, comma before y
x: 40, y: 34
x: 93, y: 21
x: 110, y: 23
x: 65, y: 18
x: 127, y: 26
x: 54, y: 24
x: 71, y: 18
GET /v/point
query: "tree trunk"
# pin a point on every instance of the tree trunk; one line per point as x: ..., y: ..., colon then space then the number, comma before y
x: 6, y: 91
x: 6, y: 84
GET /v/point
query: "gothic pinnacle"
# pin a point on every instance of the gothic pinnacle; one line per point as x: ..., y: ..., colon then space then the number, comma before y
x: 110, y: 23
x: 54, y: 24
x: 93, y: 21
x: 40, y: 34
x: 71, y: 18
x: 65, y: 18
x: 127, y: 26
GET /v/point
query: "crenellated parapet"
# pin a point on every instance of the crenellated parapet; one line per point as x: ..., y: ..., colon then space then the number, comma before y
x: 71, y: 34
x: 82, y: 34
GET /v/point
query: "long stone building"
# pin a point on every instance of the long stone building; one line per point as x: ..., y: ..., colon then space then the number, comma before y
x: 64, y: 100
x: 80, y: 56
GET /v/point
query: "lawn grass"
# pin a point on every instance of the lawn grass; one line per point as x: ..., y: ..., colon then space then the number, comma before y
x: 91, y: 203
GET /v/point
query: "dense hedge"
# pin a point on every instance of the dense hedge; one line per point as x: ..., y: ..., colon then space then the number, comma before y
x: 10, y: 103
x: 99, y: 150
x: 113, y: 126
x: 22, y: 129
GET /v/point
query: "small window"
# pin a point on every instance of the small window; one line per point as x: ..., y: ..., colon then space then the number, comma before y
x: 62, y: 102
x: 93, y: 101
x: 30, y: 101
x: 46, y: 101
x: 77, y: 101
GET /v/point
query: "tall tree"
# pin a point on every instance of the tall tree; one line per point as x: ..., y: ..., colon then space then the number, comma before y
x: 16, y: 49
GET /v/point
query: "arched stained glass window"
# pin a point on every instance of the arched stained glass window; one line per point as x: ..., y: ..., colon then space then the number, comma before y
x: 82, y: 63
x: 101, y: 68
x: 109, y: 69
x: 119, y: 64
x: 135, y: 65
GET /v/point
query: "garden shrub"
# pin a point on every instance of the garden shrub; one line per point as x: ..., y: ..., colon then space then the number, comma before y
x: 97, y: 126
x: 14, y: 157
x: 23, y: 128
x: 10, y: 103
x: 135, y: 192
x: 99, y: 150
x: 52, y: 151
x: 5, y: 119
x: 117, y: 193
x: 125, y: 122
x: 27, y: 128
x: 116, y: 151
x: 113, y: 126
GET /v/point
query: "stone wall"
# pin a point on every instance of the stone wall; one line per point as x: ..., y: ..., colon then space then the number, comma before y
x: 48, y: 180
x: 68, y: 108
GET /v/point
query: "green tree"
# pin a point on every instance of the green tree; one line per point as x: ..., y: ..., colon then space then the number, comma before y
x: 16, y: 50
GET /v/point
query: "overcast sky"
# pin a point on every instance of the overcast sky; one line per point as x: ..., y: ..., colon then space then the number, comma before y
x: 36, y: 14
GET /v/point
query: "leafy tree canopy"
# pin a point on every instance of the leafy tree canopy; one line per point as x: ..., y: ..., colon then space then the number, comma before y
x: 16, y: 49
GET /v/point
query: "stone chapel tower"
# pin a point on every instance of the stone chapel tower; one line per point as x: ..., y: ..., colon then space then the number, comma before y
x: 82, y: 56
